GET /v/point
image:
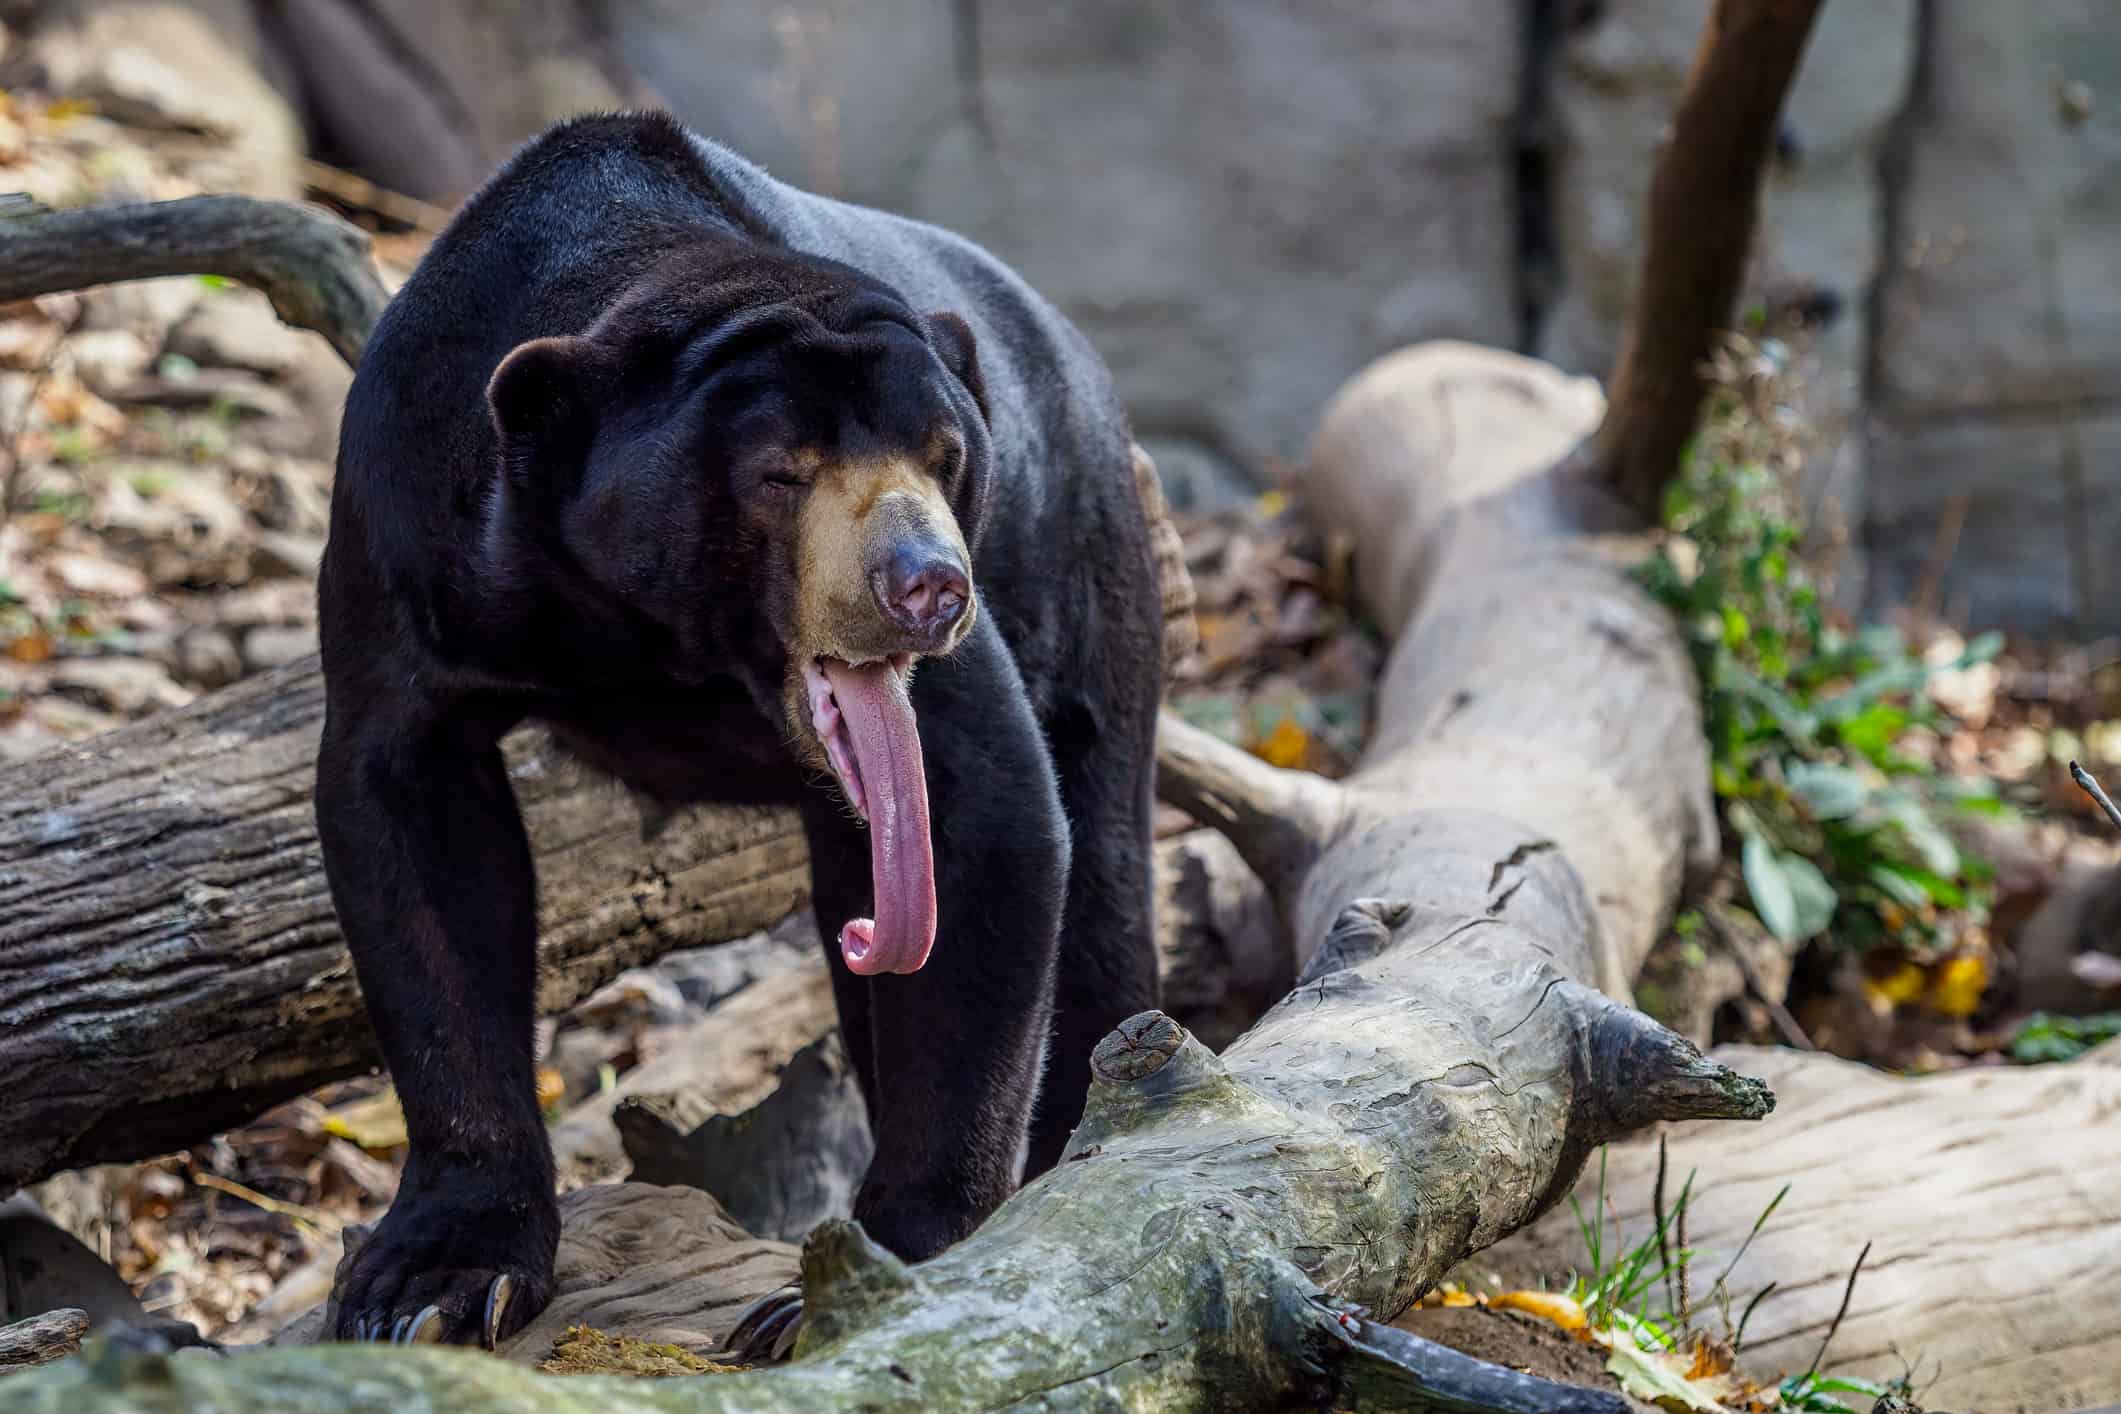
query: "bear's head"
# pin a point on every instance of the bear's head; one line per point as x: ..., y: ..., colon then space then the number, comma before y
x: 777, y: 467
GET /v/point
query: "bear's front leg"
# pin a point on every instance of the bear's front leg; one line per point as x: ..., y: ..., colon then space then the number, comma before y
x: 950, y: 1056
x: 432, y: 876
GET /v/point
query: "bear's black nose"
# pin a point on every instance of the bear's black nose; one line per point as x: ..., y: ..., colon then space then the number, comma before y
x: 922, y: 588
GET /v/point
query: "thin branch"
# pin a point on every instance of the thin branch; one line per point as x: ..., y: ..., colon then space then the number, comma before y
x: 1279, y: 820
x: 2089, y: 784
x: 1383, y: 1367
x: 314, y: 267
x: 1786, y: 1023
x: 1847, y: 1293
x: 1703, y: 205
x: 11, y: 474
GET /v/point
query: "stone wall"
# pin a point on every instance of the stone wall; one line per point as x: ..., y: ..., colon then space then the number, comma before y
x: 1244, y: 201
x: 1241, y: 202
x: 1998, y: 352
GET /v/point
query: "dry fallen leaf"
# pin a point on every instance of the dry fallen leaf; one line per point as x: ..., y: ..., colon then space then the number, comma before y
x: 1957, y: 984
x: 32, y: 647
x: 1897, y: 988
x: 552, y: 1087
x: 374, y: 1123
x: 1552, y: 1306
x: 1286, y: 746
x: 1657, y: 1377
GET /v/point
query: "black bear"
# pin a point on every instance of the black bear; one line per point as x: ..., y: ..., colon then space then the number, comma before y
x: 749, y: 496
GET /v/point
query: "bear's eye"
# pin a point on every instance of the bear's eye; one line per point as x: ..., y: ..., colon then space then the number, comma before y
x: 788, y: 478
x: 952, y: 464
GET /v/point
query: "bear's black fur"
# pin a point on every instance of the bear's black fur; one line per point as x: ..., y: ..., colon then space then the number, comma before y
x: 599, y: 540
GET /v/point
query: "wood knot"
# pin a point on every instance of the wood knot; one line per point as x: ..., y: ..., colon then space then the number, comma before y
x: 1137, y: 1048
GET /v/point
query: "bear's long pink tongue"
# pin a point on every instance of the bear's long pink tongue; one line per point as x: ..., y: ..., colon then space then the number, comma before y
x: 887, y: 751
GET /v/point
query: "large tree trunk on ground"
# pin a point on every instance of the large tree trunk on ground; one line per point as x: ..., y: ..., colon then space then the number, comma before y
x: 1435, y: 1080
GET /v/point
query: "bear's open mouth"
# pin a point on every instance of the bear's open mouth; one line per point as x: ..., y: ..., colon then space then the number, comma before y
x: 863, y: 716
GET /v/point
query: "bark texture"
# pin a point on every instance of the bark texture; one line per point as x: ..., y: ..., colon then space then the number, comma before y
x: 169, y: 961
x: 41, y: 1339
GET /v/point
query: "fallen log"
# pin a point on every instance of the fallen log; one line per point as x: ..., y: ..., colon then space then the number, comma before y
x: 313, y: 267
x: 1984, y: 1193
x: 170, y: 965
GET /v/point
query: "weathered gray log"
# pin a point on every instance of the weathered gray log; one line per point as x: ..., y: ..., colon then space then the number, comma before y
x: 169, y: 961
x: 781, y: 1166
x: 39, y: 1340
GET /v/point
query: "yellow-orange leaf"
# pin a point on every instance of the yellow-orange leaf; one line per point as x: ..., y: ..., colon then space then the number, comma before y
x: 1547, y: 1305
x: 32, y: 647
x: 1957, y: 984
x: 552, y: 1087
x: 1286, y: 745
x: 374, y: 1123
x: 1898, y: 987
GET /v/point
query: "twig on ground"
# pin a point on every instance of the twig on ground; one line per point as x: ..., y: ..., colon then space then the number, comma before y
x: 1785, y: 1023
x: 1847, y: 1293
x: 344, y: 186
x: 40, y: 1340
x: 320, y: 1223
x: 11, y: 473
x: 1950, y: 522
x: 2089, y: 784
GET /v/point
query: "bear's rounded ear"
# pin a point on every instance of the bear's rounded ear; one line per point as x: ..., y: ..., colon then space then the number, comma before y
x: 545, y: 393
x: 959, y: 351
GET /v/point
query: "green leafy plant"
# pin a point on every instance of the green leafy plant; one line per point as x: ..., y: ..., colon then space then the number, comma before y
x: 1616, y: 1286
x: 1814, y: 1392
x: 2060, y: 1038
x: 1839, y: 831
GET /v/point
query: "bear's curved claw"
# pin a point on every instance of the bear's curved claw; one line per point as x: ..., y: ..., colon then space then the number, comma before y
x: 497, y: 1298
x: 766, y: 1332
